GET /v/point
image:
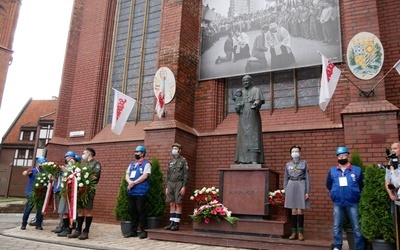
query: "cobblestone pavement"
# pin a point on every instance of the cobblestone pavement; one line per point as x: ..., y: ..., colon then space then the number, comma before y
x: 101, y: 236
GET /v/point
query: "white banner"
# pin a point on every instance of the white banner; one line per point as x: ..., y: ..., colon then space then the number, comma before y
x: 123, y: 106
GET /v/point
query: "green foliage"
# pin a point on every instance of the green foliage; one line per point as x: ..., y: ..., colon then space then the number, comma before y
x: 121, y: 210
x: 156, y: 197
x: 376, y: 218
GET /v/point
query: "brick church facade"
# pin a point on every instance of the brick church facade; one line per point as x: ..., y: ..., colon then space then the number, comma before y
x: 121, y: 44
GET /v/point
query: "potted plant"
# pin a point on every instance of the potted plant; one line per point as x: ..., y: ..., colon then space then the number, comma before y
x: 156, y: 197
x: 121, y: 210
x: 376, y: 219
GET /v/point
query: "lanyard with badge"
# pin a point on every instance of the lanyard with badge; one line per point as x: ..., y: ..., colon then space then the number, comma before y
x: 343, y: 179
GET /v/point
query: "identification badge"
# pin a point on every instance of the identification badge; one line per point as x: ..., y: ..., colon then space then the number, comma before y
x: 343, y: 181
x: 133, y: 174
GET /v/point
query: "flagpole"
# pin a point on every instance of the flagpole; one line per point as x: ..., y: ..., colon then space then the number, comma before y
x: 373, y: 88
x: 141, y: 103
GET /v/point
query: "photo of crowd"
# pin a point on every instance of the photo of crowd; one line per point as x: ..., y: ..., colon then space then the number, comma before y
x: 278, y: 35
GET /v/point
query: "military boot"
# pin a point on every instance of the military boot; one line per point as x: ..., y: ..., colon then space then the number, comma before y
x: 175, y: 227
x: 170, y: 225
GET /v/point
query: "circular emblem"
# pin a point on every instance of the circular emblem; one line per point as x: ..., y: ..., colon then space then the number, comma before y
x: 365, y: 55
x: 164, y: 84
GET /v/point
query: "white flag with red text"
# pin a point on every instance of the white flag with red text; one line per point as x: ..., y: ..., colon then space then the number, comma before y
x: 123, y: 106
x: 329, y: 79
x: 160, y: 104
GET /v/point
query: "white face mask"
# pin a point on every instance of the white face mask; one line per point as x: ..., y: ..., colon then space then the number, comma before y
x: 175, y: 151
x: 84, y: 157
x: 295, y: 155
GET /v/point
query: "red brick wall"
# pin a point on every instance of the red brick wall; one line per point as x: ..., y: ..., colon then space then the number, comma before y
x: 8, y: 24
x: 196, y: 117
x: 388, y: 14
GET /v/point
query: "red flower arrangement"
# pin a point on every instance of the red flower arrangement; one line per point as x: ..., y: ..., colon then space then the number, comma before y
x: 277, y: 198
x: 209, y: 207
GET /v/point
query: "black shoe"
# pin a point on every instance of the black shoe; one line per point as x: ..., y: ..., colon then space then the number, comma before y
x: 39, y: 228
x: 57, y: 230
x: 175, y: 227
x: 23, y: 227
x: 169, y: 226
x: 64, y: 233
x: 143, y: 235
x: 131, y: 234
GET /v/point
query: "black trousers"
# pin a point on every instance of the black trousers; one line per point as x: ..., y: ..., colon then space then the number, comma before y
x: 137, y: 210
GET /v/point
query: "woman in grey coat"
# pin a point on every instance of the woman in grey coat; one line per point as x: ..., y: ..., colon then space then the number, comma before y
x: 297, y: 188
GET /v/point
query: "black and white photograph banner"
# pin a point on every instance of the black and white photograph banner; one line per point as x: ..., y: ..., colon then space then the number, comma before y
x: 256, y: 36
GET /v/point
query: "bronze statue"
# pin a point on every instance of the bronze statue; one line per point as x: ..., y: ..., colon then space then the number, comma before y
x: 249, y: 142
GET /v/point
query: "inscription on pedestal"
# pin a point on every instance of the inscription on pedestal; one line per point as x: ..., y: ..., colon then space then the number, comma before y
x: 237, y: 166
x: 245, y: 191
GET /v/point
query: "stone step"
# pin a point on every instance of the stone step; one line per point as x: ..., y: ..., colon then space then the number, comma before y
x: 187, y: 234
x: 17, y: 207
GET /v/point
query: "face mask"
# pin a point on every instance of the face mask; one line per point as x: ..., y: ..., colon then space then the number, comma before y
x: 84, y: 157
x: 137, y: 157
x: 70, y: 163
x: 343, y: 161
x: 295, y: 155
x: 174, y: 152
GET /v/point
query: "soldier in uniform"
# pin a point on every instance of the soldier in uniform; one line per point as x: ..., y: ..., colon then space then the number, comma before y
x: 85, y: 214
x: 176, y: 180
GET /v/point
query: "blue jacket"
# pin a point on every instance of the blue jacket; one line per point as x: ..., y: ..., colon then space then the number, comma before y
x: 31, y: 181
x: 345, y: 195
x: 143, y: 187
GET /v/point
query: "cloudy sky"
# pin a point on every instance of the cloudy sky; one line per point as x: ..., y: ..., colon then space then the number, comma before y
x: 39, y: 49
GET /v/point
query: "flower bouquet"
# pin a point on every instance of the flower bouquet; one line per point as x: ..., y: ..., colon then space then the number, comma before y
x: 39, y: 189
x: 209, y: 207
x: 277, y: 198
x: 85, y: 178
x: 205, y: 195
x: 51, y: 169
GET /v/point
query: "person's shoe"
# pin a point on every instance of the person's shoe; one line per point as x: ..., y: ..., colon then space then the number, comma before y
x: 293, y: 236
x: 131, y: 234
x: 175, y: 227
x: 84, y: 236
x: 143, y: 235
x: 169, y: 226
x: 75, y: 234
x: 301, y: 236
x: 39, y: 228
x: 64, y: 233
x: 57, y: 230
x: 23, y: 227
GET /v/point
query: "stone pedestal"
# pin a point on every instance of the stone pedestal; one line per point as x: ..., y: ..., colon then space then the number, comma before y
x: 247, y: 226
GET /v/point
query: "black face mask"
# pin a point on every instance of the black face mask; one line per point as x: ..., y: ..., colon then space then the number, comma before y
x: 343, y: 161
x: 137, y: 157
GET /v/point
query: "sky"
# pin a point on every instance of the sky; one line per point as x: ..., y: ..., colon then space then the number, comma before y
x: 39, y: 48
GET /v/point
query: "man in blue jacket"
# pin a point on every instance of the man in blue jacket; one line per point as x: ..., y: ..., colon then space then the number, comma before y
x: 344, y: 182
x: 137, y: 176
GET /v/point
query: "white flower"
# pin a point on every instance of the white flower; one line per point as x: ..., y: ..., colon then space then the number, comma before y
x: 41, y: 181
x: 78, y: 174
x: 45, y: 184
x: 78, y: 178
x: 203, y: 189
x: 37, y: 184
x: 191, y: 198
x: 86, y: 175
x: 80, y: 184
x: 62, y: 185
x: 87, y: 182
x: 84, y: 168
